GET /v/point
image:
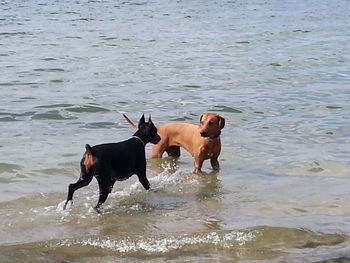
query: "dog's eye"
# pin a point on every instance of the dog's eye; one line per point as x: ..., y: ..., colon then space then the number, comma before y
x: 211, y: 123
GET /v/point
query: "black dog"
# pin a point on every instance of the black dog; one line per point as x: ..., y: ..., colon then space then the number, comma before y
x: 116, y: 161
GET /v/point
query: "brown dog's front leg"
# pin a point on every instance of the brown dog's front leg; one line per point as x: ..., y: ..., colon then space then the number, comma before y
x: 215, y: 163
x: 198, y: 162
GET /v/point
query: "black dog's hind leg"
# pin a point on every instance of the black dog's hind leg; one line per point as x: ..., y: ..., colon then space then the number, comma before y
x: 84, y: 180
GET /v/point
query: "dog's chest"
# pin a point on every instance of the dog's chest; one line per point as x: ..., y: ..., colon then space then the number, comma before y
x: 210, y: 154
x: 209, y: 150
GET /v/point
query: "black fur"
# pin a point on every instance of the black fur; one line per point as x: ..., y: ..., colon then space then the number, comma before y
x: 116, y: 162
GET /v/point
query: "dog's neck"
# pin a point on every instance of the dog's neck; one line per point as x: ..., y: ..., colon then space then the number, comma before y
x: 216, y: 136
x: 137, y: 137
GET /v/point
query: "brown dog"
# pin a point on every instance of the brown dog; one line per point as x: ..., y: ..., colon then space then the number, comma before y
x: 201, y: 141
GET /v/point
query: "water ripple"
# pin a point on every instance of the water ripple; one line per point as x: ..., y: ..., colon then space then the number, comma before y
x: 51, y: 115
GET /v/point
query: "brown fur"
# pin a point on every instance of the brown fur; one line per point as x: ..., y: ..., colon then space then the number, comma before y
x: 88, y: 158
x: 201, y: 141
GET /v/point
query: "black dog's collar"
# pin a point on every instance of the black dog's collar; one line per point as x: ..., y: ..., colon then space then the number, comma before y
x: 139, y: 140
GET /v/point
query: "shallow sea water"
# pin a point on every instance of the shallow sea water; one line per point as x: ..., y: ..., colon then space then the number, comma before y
x: 277, y: 71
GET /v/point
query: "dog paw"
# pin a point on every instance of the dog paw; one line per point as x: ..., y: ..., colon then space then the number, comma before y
x: 98, y: 210
x: 152, y: 190
x: 64, y: 205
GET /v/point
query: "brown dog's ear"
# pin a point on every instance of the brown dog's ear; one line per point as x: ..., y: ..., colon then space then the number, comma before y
x: 221, y: 122
x: 200, y: 119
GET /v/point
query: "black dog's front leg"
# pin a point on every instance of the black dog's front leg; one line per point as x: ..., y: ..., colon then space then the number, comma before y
x: 105, y: 189
x: 143, y: 179
x: 103, y: 196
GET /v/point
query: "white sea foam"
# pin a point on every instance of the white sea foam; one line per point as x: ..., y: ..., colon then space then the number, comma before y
x: 165, y: 244
x: 158, y: 182
x: 60, y: 206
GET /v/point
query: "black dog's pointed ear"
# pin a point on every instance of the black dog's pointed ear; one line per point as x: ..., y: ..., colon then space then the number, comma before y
x: 150, y: 119
x: 142, y: 120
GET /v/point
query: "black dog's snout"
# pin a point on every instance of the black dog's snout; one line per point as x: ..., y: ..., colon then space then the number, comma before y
x: 156, y: 139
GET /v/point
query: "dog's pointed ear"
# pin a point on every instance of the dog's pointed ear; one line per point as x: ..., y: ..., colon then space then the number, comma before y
x: 221, y: 122
x: 150, y: 119
x: 142, y: 120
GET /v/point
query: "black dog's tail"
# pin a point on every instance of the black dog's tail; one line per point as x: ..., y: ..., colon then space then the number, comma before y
x: 88, y: 160
x: 130, y: 122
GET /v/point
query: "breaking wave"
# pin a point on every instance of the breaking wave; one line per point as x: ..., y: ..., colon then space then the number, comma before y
x: 155, y: 245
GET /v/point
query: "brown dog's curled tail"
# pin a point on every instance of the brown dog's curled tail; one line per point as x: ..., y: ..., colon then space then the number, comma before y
x: 88, y: 160
x: 130, y: 122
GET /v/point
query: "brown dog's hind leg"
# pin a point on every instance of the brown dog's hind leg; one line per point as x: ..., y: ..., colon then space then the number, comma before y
x: 157, y: 151
x: 173, y: 151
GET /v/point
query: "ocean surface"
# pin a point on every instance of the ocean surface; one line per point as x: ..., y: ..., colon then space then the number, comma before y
x: 277, y: 71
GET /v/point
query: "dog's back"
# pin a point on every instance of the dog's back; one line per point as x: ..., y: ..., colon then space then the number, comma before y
x: 122, y: 159
x: 178, y: 134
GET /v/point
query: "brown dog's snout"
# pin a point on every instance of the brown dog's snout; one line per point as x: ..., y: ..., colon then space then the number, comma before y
x: 203, y: 133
